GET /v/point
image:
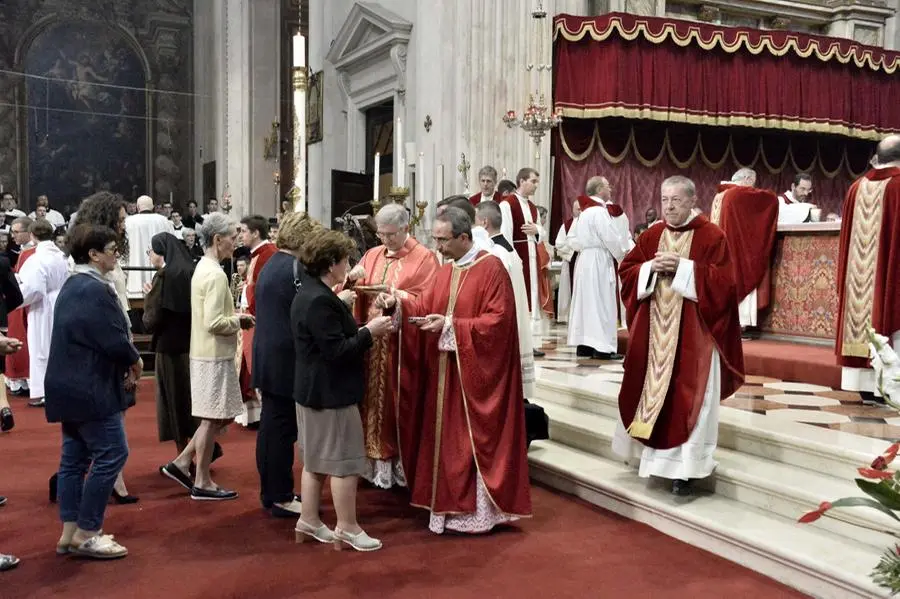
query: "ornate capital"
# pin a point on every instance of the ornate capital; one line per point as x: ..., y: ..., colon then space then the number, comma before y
x: 398, y: 61
x: 779, y: 23
x: 709, y: 13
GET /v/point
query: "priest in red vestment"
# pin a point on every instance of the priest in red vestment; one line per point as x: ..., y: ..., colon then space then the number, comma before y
x: 684, y: 353
x: 749, y: 218
x: 471, y: 471
x: 868, y: 276
x: 17, y: 364
x: 254, y: 233
x: 487, y: 180
x: 405, y: 267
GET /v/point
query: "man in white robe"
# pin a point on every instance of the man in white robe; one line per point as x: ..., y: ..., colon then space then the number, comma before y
x: 567, y: 254
x: 140, y: 229
x: 679, y: 288
x: 487, y: 225
x: 794, y: 207
x: 601, y: 240
x: 40, y: 280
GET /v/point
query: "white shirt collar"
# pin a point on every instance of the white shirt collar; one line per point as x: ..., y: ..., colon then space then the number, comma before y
x: 469, y: 256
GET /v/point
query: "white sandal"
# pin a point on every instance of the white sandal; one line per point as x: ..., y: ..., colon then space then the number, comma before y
x: 100, y: 547
x: 360, y: 541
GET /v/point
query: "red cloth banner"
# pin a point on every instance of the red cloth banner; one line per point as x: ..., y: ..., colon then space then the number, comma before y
x: 680, y: 71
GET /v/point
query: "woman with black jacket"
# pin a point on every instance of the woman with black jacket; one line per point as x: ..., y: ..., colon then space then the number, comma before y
x: 329, y: 384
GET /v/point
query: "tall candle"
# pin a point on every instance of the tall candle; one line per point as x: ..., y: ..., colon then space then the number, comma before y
x: 299, y: 51
x: 398, y: 148
x: 170, y: 197
x: 420, y: 178
x: 440, y: 184
x: 1, y: 188
x: 377, y: 175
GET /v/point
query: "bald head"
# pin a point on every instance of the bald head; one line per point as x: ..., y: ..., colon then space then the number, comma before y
x: 888, y: 151
x: 745, y: 177
x: 598, y: 186
x: 145, y: 204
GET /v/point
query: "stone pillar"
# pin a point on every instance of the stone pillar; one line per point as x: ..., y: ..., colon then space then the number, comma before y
x: 237, y: 75
x: 315, y: 154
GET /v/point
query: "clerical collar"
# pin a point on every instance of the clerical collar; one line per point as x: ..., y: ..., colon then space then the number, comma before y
x: 683, y: 225
x: 469, y: 256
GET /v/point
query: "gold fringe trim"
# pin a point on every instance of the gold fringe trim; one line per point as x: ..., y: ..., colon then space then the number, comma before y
x: 699, y: 153
x: 804, y: 47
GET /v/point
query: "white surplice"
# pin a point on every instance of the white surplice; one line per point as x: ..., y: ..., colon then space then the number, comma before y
x: 140, y: 229
x: 506, y: 228
x: 693, y: 459
x: 792, y: 212
x: 600, y: 240
x: 513, y: 264
x: 41, y: 278
x: 567, y: 253
x: 863, y: 379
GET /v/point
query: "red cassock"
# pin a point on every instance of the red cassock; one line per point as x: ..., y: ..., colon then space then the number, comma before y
x: 258, y: 260
x: 391, y: 363
x: 473, y: 410
x: 707, y: 324
x: 479, y: 197
x: 749, y: 218
x: 868, y: 270
x: 17, y: 364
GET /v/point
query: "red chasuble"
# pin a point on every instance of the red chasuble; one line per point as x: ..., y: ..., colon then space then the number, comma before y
x: 258, y: 260
x: 390, y: 364
x: 520, y: 241
x: 868, y: 276
x: 473, y: 411
x: 749, y: 218
x: 17, y: 364
x: 707, y: 324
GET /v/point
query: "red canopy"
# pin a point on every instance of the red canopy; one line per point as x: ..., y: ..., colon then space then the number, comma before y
x: 671, y: 70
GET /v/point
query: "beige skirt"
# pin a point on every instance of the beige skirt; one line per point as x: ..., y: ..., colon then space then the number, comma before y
x: 215, y: 389
x: 331, y: 441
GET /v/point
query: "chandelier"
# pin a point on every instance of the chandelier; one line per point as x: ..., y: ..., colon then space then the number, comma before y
x: 537, y: 118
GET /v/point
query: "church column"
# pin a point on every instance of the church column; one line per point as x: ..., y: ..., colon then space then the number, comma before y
x: 315, y: 153
x: 237, y: 77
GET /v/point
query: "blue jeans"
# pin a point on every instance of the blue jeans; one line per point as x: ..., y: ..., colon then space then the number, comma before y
x: 99, y: 446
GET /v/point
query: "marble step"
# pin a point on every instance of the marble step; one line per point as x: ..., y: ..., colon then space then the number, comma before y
x: 792, y: 443
x: 812, y: 560
x: 764, y: 484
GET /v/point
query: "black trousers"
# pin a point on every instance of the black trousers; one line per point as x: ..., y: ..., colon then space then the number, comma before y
x: 275, y: 449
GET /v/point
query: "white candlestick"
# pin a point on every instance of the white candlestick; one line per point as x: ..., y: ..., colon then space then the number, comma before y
x: 299, y: 51
x: 420, y: 178
x: 170, y: 197
x: 398, y: 148
x: 377, y: 175
x: 1, y: 188
x: 440, y: 184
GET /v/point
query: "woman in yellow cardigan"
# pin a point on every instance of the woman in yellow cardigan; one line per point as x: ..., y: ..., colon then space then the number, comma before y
x: 215, y: 390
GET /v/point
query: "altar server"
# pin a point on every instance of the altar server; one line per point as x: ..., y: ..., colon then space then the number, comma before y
x: 487, y: 179
x: 568, y: 255
x: 602, y: 237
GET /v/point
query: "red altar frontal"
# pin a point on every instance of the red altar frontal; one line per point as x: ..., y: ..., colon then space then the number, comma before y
x: 804, y: 300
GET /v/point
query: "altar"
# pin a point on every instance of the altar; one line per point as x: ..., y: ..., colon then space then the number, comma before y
x: 804, y: 302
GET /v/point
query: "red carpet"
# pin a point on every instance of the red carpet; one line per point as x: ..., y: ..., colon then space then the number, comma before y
x: 181, y: 548
x: 784, y: 361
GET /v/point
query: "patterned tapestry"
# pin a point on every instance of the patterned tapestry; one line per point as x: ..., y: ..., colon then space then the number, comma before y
x: 87, y: 115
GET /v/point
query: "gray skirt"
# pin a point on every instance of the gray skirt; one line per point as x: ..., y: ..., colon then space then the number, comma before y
x: 331, y: 441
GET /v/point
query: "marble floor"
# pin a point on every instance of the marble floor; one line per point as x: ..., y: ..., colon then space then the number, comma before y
x: 793, y: 401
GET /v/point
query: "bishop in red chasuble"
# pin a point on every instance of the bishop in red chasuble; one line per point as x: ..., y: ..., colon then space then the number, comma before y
x: 403, y: 266
x: 684, y: 351
x: 471, y: 471
x: 749, y: 218
x: 868, y: 276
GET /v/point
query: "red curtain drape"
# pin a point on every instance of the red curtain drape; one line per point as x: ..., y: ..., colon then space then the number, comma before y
x: 679, y: 71
x: 637, y: 155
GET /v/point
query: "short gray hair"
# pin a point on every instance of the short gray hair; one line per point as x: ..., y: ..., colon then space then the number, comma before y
x: 459, y: 221
x: 489, y: 171
x: 490, y: 211
x: 188, y: 231
x: 217, y: 223
x: 393, y: 214
x: 680, y: 181
x: 594, y: 185
x: 744, y: 174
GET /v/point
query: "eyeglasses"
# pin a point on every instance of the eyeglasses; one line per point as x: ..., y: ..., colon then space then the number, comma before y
x: 442, y: 240
x: 382, y: 235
